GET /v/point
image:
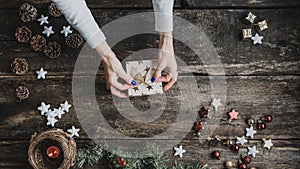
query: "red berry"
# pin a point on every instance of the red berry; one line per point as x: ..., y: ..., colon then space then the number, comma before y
x: 121, y: 159
x: 247, y: 160
x: 261, y: 126
x: 235, y: 148
x: 243, y: 166
x: 216, y: 154
x: 268, y: 118
x: 124, y: 163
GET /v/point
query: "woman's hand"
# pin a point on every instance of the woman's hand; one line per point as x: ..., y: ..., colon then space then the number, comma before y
x: 114, y: 70
x: 166, y: 60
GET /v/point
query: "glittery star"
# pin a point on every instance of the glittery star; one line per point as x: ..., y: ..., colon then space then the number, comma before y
x: 59, y: 112
x: 41, y: 73
x: 216, y: 103
x: 250, y: 132
x: 257, y: 39
x: 136, y: 89
x: 149, y: 87
x: 48, y: 31
x: 233, y: 114
x: 268, y: 144
x: 51, y: 121
x: 252, y: 151
x: 43, y: 108
x: 147, y: 69
x: 65, y: 106
x: 179, y: 151
x: 73, y: 131
x: 43, y: 19
x: 241, y: 140
x: 66, y: 30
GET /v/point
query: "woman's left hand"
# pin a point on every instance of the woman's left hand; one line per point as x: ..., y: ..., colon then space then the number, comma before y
x: 166, y: 60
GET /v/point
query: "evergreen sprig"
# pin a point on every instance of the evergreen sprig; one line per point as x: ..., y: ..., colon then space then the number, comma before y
x: 89, y: 155
x: 92, y: 153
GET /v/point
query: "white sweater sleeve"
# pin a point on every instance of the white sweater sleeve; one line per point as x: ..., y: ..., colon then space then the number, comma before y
x: 163, y: 15
x: 80, y: 17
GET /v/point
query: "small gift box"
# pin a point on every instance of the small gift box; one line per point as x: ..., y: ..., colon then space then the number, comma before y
x: 250, y: 17
x: 262, y: 25
x: 142, y: 72
x: 247, y: 33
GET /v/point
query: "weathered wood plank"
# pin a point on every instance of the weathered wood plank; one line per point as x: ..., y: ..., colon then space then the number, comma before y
x: 251, y: 96
x: 278, y: 55
x: 178, y: 3
x: 282, y: 155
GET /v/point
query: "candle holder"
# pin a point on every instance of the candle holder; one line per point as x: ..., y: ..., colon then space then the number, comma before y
x: 52, y: 149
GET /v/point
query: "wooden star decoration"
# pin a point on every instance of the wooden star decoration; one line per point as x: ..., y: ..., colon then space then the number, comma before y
x: 44, y: 108
x: 233, y: 115
x: 250, y: 132
x: 66, y: 30
x: 51, y: 121
x: 268, y: 144
x: 48, y: 31
x: 73, y: 131
x: 257, y: 39
x: 41, y: 73
x: 179, y: 151
x: 216, y: 103
x: 65, y: 106
x: 43, y: 19
x: 59, y: 112
x: 241, y: 140
x: 252, y: 151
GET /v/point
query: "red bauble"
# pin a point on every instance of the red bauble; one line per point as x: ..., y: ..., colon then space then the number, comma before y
x: 216, y: 154
x: 243, y: 166
x: 198, y: 126
x: 121, y: 159
x: 261, y: 126
x: 247, y: 160
x: 203, y: 112
x: 124, y: 163
x: 268, y: 118
x: 235, y: 148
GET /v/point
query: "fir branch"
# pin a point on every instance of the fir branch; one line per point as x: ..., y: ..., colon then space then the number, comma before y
x: 89, y: 155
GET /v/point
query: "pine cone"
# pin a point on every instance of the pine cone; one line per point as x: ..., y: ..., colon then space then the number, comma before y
x: 19, y: 66
x: 38, y: 42
x: 22, y: 92
x: 23, y: 34
x: 52, y: 50
x: 74, y: 41
x: 28, y: 12
x: 53, y: 10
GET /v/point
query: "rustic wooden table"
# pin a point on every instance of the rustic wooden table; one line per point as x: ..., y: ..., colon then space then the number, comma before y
x: 261, y: 79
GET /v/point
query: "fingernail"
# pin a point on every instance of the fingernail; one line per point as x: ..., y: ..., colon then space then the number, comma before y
x: 133, y: 82
x: 153, y: 79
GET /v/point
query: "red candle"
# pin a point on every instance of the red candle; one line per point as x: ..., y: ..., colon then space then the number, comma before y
x: 53, y: 151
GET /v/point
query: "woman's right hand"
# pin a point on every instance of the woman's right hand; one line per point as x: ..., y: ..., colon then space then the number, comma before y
x: 114, y: 70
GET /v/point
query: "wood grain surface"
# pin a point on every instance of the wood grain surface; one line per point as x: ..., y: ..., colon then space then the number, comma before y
x: 260, y: 80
